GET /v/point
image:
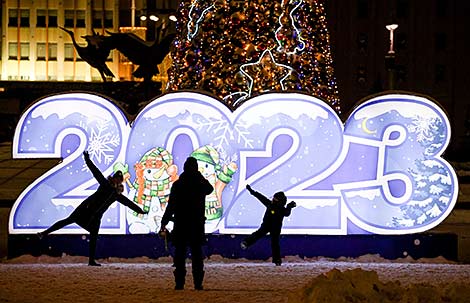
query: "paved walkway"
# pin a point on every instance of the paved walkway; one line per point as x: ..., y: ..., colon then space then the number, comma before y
x: 17, y: 174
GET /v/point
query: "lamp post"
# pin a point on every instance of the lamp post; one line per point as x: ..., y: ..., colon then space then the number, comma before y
x: 390, y: 57
x: 391, y: 28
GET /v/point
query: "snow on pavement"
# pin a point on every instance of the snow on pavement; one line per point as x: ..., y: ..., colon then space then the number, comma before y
x: 69, y: 279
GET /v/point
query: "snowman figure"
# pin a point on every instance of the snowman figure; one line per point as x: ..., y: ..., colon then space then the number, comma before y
x: 219, y: 175
x: 155, y: 173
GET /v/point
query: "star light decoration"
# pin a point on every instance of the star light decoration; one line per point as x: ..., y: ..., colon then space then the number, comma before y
x: 237, y: 49
x: 265, y: 74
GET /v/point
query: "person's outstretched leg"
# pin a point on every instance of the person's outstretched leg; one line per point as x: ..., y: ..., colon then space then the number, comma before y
x: 251, y: 239
x: 92, y: 248
x: 198, y: 265
x: 56, y: 226
x: 180, y: 266
x: 276, y: 247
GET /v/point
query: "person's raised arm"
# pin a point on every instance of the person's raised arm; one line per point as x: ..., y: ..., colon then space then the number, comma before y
x: 126, y: 202
x: 94, y: 170
x: 289, y: 208
x: 258, y: 196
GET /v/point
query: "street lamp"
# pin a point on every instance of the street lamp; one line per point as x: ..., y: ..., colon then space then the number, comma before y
x: 391, y: 28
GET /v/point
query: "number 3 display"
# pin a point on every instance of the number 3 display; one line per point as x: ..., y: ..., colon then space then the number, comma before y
x: 381, y: 172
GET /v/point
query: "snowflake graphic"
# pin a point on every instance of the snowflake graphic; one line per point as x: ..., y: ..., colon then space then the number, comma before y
x: 422, y: 127
x: 102, y: 143
x: 223, y: 132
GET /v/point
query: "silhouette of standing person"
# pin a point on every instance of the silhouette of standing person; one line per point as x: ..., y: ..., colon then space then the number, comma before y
x: 186, y: 208
x: 272, y: 222
x: 89, y: 213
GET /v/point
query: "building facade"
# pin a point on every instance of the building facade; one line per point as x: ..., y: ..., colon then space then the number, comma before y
x: 34, y: 48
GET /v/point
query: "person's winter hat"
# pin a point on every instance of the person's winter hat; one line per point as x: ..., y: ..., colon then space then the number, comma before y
x: 281, y: 197
x: 118, y: 174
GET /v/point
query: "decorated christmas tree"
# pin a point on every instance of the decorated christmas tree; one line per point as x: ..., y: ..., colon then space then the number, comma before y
x: 239, y: 49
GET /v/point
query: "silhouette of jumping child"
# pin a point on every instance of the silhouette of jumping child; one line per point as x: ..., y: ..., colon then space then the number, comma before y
x: 276, y: 210
x: 89, y: 213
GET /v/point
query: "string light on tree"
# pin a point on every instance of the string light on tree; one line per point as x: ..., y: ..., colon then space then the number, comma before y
x: 238, y: 49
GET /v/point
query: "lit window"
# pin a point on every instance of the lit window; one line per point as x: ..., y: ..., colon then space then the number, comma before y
x: 69, y: 50
x: 52, y: 51
x: 13, y: 51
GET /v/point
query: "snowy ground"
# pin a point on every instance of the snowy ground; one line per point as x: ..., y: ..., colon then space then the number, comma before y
x: 366, y: 279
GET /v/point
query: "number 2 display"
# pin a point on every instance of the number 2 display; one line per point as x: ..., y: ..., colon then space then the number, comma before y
x: 380, y: 172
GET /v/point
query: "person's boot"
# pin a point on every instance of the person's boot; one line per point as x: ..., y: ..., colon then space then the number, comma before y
x: 179, y: 279
x: 92, y: 262
x: 198, y: 277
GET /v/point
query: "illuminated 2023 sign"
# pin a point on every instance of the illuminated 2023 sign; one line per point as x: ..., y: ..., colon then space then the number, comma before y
x: 381, y: 172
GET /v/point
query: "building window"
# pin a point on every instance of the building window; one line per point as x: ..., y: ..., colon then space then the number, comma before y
x: 13, y: 17
x: 69, y: 18
x: 72, y: 16
x: 97, y: 18
x: 102, y: 19
x: 46, y: 17
x: 108, y: 19
x: 362, y: 9
x: 81, y: 19
x: 24, y: 18
x: 13, y: 51
x: 52, y: 51
x: 41, y: 18
x: 69, y: 50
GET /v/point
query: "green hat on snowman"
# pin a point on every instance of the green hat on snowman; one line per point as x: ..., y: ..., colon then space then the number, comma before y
x: 210, y: 155
x: 207, y: 154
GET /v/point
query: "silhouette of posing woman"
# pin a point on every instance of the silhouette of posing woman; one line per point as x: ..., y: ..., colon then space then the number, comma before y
x: 89, y: 213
